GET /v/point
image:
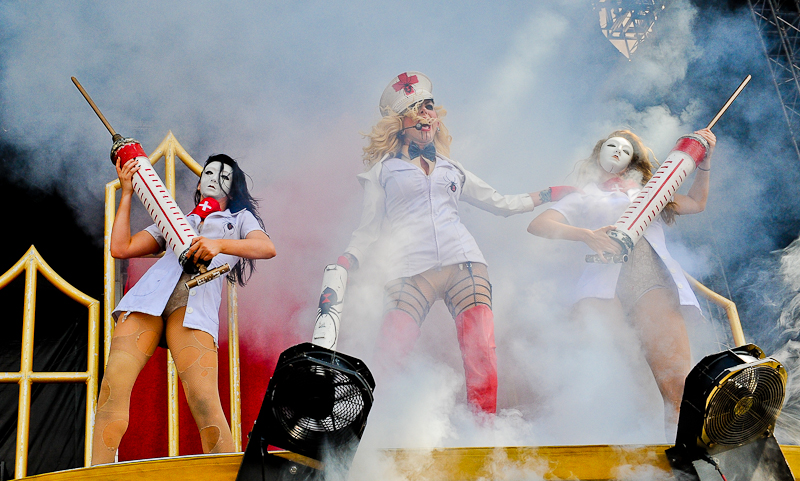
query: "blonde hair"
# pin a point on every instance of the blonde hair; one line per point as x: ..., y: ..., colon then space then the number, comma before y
x: 386, y: 136
x: 640, y: 168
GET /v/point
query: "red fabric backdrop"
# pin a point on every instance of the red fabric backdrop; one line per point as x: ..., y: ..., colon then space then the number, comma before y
x: 147, y: 435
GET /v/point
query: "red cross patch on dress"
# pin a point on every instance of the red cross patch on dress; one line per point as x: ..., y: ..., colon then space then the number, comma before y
x: 618, y: 184
x: 406, y: 83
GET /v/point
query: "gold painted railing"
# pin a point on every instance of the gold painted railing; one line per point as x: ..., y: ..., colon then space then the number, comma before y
x: 727, y: 304
x: 32, y: 263
x: 169, y: 148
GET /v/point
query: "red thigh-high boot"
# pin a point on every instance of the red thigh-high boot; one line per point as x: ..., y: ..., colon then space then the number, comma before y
x: 475, y: 328
x: 399, y: 332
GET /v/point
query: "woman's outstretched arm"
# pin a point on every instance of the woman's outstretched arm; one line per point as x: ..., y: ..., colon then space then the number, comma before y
x: 551, y: 224
x: 256, y: 245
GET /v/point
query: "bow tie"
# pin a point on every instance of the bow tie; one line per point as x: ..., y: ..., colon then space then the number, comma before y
x: 618, y: 184
x: 427, y: 152
x: 205, y: 207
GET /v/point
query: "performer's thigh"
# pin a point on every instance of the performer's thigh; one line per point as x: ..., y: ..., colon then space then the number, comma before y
x: 412, y: 295
x: 195, y: 355
x: 660, y: 325
x: 134, y: 341
x: 137, y: 334
x: 468, y: 286
x: 662, y: 331
x: 591, y: 310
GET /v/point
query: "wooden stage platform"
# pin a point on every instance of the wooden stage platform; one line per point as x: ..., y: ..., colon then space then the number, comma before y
x: 462, y: 464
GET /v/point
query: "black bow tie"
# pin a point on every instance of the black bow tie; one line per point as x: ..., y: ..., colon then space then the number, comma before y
x: 427, y: 152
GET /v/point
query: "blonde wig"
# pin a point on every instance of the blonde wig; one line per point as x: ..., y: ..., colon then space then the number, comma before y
x: 386, y: 136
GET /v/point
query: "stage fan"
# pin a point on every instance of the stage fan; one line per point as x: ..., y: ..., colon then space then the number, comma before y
x: 731, y: 402
x: 316, y: 406
x: 730, y: 399
x: 318, y: 398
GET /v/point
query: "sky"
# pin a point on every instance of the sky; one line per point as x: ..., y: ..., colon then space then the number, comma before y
x: 287, y: 89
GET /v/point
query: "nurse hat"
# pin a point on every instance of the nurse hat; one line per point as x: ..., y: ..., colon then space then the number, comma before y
x: 404, y: 91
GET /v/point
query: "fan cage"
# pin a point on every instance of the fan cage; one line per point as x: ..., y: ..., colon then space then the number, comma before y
x: 346, y: 411
x: 745, y: 404
x: 318, y: 401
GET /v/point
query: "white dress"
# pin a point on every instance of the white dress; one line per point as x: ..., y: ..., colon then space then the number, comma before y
x: 595, y: 208
x: 151, y: 293
x: 422, y: 212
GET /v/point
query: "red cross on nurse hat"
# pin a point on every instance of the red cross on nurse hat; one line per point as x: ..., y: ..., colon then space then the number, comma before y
x: 404, y: 91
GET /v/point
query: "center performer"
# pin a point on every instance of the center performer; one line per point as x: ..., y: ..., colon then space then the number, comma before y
x: 412, y: 185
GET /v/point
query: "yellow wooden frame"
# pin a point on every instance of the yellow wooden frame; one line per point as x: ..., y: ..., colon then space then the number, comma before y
x: 32, y: 263
x: 727, y: 304
x: 169, y: 148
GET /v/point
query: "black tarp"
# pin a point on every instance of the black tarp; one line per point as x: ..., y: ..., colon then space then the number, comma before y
x: 58, y: 410
x: 44, y: 219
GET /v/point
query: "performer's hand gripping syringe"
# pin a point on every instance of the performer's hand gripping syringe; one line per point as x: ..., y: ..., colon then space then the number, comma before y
x: 689, y: 152
x: 179, y: 234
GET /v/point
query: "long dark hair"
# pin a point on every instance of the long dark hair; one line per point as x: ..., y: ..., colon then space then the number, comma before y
x: 238, y: 198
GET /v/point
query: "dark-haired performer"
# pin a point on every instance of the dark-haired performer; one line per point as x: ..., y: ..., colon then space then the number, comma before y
x: 230, y: 230
x: 413, y: 186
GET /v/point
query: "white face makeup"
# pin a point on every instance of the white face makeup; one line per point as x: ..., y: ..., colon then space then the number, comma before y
x: 214, y: 183
x: 615, y: 155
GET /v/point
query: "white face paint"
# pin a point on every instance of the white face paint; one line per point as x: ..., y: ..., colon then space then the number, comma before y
x: 214, y: 183
x: 615, y: 155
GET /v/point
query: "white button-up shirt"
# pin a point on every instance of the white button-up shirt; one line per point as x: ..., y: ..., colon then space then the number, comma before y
x: 422, y: 214
x: 596, y: 208
x: 151, y: 293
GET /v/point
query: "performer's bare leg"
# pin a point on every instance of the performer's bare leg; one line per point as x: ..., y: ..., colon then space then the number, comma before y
x: 661, y: 328
x: 592, y: 309
x: 135, y: 340
x: 196, y: 360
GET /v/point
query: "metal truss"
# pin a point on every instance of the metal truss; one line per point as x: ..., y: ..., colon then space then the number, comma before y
x: 777, y: 23
x: 626, y: 23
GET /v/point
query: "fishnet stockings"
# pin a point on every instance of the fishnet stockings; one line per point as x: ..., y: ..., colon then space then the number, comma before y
x: 461, y: 286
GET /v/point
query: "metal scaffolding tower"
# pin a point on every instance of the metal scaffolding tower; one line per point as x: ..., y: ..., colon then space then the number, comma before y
x: 626, y: 23
x: 777, y: 21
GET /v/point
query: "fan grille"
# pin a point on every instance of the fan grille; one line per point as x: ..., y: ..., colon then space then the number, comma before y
x: 744, y: 406
x: 332, y: 416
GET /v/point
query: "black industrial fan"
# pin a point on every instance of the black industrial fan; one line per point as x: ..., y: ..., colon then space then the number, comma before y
x: 731, y: 401
x: 316, y: 405
x: 319, y: 399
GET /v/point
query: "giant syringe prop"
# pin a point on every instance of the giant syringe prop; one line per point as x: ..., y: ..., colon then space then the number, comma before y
x: 157, y: 200
x: 688, y: 153
x: 329, y: 310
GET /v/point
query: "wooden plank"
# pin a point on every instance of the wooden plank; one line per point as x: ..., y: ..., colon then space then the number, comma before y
x: 587, y: 463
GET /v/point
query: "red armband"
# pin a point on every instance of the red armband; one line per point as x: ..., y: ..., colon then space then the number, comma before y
x: 558, y: 192
x: 344, y: 262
